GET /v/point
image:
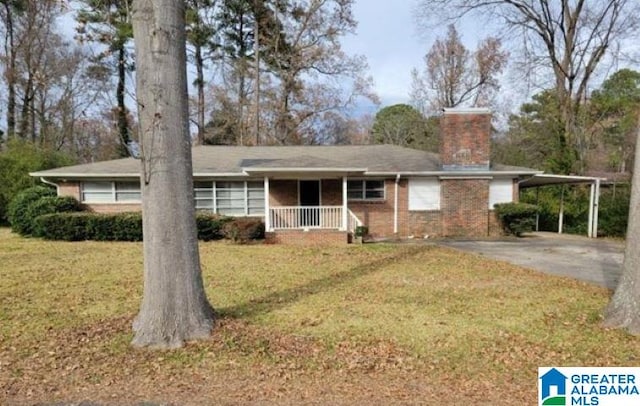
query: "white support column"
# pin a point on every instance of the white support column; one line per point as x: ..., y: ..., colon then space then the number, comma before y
x: 345, y: 207
x: 596, y: 205
x: 591, y: 202
x: 395, y: 206
x: 561, y: 214
x: 267, y: 210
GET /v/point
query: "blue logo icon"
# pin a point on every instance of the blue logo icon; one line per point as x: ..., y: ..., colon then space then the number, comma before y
x: 555, y: 380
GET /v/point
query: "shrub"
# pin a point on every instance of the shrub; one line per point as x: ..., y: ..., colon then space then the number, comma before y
x: 517, y: 218
x: 210, y: 226
x: 243, y: 229
x: 21, y: 223
x: 361, y: 231
x: 48, y: 205
x: 127, y: 226
x: 64, y: 226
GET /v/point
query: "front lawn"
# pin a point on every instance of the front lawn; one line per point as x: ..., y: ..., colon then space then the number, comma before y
x: 379, y: 324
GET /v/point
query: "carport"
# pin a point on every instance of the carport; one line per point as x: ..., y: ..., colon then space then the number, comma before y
x: 541, y: 180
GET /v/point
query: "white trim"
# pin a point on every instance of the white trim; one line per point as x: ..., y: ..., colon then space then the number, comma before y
x: 303, y: 170
x: 47, y: 182
x: 395, y: 205
x: 466, y: 177
x: 345, y: 205
x: 468, y: 110
x: 267, y: 206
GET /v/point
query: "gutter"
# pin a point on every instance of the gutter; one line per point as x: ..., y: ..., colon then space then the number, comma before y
x: 48, y: 182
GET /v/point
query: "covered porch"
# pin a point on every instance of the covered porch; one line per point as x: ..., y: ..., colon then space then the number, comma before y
x: 308, y: 205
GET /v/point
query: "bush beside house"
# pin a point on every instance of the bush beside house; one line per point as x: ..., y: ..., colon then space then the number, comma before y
x: 517, y: 218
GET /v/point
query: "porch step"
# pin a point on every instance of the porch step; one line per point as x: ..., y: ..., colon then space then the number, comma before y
x: 309, y: 237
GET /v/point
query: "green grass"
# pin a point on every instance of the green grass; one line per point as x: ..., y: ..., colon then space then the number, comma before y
x: 374, y: 311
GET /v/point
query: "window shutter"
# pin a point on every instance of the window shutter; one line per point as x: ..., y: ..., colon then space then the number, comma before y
x: 500, y: 191
x: 424, y: 194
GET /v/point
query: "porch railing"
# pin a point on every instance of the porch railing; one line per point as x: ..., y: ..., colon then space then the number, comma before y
x: 354, y: 222
x: 297, y: 217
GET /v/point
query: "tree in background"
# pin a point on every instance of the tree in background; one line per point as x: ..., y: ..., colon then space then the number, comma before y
x: 17, y: 159
x: 108, y: 22
x: 201, y: 36
x: 403, y: 125
x: 174, y: 306
x: 455, y: 76
x: 8, y: 15
x: 615, y: 109
x: 567, y: 39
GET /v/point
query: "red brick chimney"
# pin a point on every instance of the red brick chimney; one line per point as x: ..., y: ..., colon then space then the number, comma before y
x: 465, y: 139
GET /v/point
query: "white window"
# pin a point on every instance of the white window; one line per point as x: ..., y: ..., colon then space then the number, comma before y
x: 110, y: 192
x: 203, y: 194
x: 230, y: 198
x: 500, y: 191
x: 365, y: 189
x: 424, y: 194
x: 127, y: 191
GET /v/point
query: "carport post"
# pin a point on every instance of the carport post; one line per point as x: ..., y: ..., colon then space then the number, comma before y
x: 561, y: 215
x: 591, y: 200
x: 537, y: 211
x: 596, y: 205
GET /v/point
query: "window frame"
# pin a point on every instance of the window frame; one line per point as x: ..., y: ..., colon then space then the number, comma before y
x: 111, y: 191
x: 363, y: 197
x: 246, y: 209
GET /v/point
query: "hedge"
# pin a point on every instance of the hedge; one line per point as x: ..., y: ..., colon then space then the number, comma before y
x: 128, y: 227
x: 48, y: 205
x: 210, y: 226
x: 243, y: 230
x: 21, y: 222
x: 517, y: 218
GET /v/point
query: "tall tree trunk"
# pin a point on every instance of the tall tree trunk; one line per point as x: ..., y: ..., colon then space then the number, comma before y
x: 174, y: 305
x: 623, y: 310
x: 10, y: 73
x: 200, y: 83
x: 123, y: 124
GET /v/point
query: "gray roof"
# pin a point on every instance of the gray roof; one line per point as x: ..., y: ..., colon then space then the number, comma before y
x: 232, y: 160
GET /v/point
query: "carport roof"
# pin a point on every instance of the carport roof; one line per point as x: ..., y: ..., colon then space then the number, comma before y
x: 548, y: 179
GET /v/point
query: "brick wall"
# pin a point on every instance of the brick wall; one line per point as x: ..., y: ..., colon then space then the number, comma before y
x: 69, y: 189
x: 465, y: 207
x: 425, y: 223
x: 378, y: 215
x: 283, y: 193
x: 465, y: 139
x: 495, y: 228
x: 113, y: 207
x: 311, y: 237
x: 331, y: 192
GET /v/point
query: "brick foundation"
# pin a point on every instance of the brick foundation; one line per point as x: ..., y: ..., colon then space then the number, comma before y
x: 307, y: 238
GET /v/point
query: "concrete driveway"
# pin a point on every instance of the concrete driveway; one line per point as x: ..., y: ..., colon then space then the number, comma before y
x: 592, y: 260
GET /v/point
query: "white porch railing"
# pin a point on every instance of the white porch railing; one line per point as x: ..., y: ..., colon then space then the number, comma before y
x: 296, y: 217
x: 354, y: 222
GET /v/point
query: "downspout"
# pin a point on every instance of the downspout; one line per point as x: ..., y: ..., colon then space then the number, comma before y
x: 395, y: 206
x: 48, y: 182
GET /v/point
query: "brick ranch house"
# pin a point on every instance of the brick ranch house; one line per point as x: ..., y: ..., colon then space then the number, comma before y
x: 321, y: 193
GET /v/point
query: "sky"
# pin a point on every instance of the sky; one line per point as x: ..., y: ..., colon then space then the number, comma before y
x: 388, y: 37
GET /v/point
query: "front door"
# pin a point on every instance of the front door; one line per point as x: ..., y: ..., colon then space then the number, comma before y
x: 310, y: 202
